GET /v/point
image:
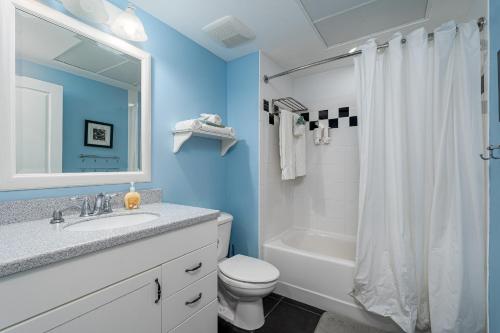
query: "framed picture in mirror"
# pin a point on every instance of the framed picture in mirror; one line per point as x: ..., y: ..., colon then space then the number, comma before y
x: 98, y: 134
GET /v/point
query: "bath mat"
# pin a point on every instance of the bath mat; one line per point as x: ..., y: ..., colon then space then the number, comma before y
x: 334, y: 323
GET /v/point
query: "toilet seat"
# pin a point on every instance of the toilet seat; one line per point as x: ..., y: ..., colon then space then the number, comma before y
x: 244, y: 285
x: 242, y: 270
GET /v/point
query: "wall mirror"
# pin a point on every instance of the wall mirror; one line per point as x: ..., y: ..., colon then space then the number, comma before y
x: 79, y: 102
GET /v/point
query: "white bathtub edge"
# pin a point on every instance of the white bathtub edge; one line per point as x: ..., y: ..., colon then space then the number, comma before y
x: 334, y: 305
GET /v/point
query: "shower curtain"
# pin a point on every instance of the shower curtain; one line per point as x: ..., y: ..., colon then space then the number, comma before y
x: 421, y: 239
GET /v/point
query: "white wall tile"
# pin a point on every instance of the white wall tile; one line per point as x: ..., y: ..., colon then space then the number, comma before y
x: 313, y: 115
x: 344, y: 122
x: 276, y: 197
x: 327, y: 197
x: 351, y: 192
x: 333, y: 112
x: 344, y: 137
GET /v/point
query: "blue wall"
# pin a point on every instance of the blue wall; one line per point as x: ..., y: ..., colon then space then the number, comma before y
x: 186, y: 80
x: 243, y: 161
x: 86, y: 99
x: 494, y: 264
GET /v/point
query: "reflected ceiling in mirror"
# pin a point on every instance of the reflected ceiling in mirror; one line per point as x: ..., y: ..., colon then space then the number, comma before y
x: 77, y: 102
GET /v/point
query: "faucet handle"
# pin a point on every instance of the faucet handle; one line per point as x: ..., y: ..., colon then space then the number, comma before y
x: 85, y: 209
x: 107, y: 207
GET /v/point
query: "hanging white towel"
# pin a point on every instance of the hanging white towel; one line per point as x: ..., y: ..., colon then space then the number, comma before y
x: 318, y: 134
x: 325, y: 138
x: 299, y: 131
x: 287, y: 146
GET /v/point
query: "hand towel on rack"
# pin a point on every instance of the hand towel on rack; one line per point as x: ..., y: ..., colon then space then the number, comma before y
x: 213, y: 118
x: 318, y: 134
x: 298, y: 129
x: 299, y: 140
x: 287, y: 151
x: 325, y: 138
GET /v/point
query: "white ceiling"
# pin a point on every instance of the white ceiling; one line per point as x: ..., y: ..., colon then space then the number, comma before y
x: 355, y: 19
x: 286, y: 32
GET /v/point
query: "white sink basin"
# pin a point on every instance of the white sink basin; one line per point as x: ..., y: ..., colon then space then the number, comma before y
x: 112, y: 222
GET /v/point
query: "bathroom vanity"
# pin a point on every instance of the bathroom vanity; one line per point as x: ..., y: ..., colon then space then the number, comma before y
x: 158, y: 276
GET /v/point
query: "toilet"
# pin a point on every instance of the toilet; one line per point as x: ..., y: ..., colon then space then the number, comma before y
x: 243, y: 282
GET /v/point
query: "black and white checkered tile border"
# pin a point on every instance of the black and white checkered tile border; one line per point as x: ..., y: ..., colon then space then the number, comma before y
x: 340, y: 118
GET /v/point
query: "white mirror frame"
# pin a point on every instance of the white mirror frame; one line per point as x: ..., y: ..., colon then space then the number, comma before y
x: 9, y: 179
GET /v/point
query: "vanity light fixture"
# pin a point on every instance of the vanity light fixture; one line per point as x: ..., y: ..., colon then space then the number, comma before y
x: 93, y: 10
x: 128, y: 26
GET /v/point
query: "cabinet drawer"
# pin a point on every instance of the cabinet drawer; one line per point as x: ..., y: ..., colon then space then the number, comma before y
x: 189, y: 300
x: 204, y: 321
x: 181, y: 272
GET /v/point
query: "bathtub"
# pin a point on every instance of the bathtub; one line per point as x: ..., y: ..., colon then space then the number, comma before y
x: 317, y: 268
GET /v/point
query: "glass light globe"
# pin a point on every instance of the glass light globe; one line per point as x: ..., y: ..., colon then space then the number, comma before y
x: 93, y: 10
x: 128, y: 26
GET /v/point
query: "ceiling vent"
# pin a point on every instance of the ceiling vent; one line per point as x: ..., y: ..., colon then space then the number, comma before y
x: 229, y: 31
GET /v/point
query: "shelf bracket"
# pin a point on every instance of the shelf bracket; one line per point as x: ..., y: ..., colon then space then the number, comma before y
x: 180, y: 138
x: 225, y: 145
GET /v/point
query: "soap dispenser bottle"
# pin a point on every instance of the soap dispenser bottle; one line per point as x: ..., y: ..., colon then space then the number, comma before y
x: 132, y: 199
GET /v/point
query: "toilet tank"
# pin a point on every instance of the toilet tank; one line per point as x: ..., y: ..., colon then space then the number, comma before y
x: 224, y: 222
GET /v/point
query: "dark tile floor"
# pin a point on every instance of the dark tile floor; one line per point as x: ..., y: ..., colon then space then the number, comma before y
x: 283, y: 315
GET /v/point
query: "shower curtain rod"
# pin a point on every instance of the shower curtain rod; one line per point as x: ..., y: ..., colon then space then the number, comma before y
x: 480, y: 23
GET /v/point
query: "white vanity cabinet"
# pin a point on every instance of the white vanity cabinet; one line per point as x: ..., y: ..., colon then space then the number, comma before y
x: 118, y: 289
x: 126, y: 307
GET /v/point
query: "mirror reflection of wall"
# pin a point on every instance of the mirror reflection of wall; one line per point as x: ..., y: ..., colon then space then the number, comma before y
x: 63, y: 81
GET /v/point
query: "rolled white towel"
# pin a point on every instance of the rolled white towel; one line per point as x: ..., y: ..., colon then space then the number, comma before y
x: 191, y: 124
x: 213, y: 118
x: 220, y: 130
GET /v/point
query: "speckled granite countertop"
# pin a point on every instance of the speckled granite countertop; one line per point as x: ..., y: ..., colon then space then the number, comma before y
x: 27, y: 245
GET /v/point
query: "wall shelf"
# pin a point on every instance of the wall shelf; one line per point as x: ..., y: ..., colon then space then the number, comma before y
x: 181, y: 136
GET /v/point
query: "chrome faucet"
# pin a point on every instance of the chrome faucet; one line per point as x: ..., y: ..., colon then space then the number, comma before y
x: 85, y: 208
x: 107, y: 206
x: 102, y: 204
x: 98, y: 204
x: 57, y: 214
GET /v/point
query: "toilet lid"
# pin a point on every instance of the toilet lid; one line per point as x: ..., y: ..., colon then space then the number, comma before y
x: 248, y: 269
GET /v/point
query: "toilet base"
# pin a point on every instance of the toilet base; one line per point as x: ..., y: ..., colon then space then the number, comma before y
x: 248, y: 315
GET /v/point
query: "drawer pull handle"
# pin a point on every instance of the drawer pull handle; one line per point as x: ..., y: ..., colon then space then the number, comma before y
x: 158, y: 293
x: 195, y: 268
x: 194, y: 300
